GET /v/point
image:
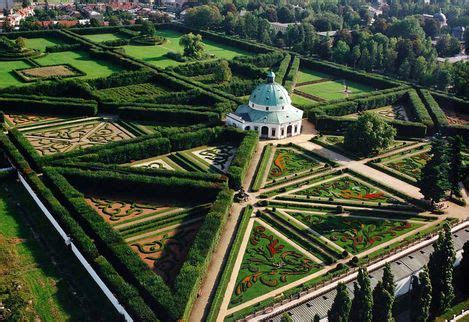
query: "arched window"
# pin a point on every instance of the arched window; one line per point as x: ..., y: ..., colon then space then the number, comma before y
x: 266, y: 108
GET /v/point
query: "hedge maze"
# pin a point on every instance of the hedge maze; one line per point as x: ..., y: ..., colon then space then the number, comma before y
x: 128, y: 150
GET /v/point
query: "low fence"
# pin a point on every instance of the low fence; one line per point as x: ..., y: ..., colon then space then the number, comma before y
x: 77, y: 253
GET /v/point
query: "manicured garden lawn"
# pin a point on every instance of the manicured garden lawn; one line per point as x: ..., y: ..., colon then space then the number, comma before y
x: 268, y: 263
x: 42, y: 43
x: 52, y: 287
x: 334, y: 89
x: 91, y: 66
x: 412, y: 165
x: 300, y: 100
x: 103, y: 37
x: 7, y: 78
x: 355, y: 234
x: 348, y: 188
x: 308, y: 75
x: 288, y: 161
x: 155, y: 54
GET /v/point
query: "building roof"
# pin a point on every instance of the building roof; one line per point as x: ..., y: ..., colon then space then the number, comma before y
x: 440, y: 16
x: 249, y: 114
x: 270, y: 94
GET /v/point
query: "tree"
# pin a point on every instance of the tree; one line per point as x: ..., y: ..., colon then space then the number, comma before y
x: 421, y: 295
x: 365, y: 59
x: 340, y: 308
x: 285, y: 15
x: 362, y: 303
x: 388, y: 280
x: 466, y: 39
x: 356, y: 53
x: 341, y: 51
x: 369, y: 134
x: 464, y: 269
x: 408, y: 28
x: 456, y: 166
x: 382, y: 304
x: 431, y: 28
x: 441, y: 271
x: 223, y: 72
x: 316, y: 318
x: 148, y: 29
x: 434, y: 180
x: 20, y: 42
x: 193, y: 45
x: 286, y: 318
x: 203, y: 17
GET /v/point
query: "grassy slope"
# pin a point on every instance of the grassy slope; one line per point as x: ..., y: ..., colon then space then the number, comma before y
x: 42, y: 43
x: 52, y: 286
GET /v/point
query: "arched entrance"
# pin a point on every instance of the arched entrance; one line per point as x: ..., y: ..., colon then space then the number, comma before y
x: 264, y: 131
x: 289, y: 128
x: 247, y: 128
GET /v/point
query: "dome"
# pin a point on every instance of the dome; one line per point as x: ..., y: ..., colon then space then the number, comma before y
x: 270, y: 96
x: 440, y: 16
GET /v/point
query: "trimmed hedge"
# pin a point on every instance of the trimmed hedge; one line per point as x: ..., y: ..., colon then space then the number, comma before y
x: 438, y: 116
x: 240, y: 164
x: 165, y: 115
x: 59, y: 48
x: 48, y: 105
x: 419, y: 110
x: 171, y: 303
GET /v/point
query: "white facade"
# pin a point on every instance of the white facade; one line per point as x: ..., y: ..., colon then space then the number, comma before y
x: 269, y: 112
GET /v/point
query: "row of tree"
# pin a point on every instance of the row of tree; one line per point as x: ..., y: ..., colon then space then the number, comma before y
x: 444, y: 171
x: 432, y: 292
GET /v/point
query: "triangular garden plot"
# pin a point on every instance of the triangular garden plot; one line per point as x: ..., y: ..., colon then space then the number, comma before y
x: 354, y: 234
x: 289, y: 160
x: 268, y: 262
x: 158, y: 232
x: 345, y: 188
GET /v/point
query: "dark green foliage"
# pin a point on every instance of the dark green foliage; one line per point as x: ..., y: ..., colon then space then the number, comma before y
x: 421, y: 297
x: 340, y: 308
x: 382, y: 304
x: 48, y: 105
x: 438, y: 116
x: 464, y: 269
x: 434, y: 180
x: 388, y: 280
x: 456, y: 170
x: 369, y: 134
x: 421, y: 113
x: 239, y: 166
x: 362, y: 303
x: 66, y: 47
x: 441, y: 272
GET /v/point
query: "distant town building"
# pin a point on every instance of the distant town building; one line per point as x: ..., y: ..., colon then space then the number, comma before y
x: 282, y: 27
x: 458, y: 32
x: 269, y: 112
x: 439, y: 17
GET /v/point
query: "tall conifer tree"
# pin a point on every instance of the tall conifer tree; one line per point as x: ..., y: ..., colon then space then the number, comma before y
x: 362, y: 302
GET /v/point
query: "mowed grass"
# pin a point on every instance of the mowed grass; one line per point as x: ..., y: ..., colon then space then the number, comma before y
x: 42, y: 43
x: 155, y: 54
x: 83, y: 61
x: 7, y: 78
x: 103, y: 37
x: 62, y: 291
x: 331, y: 90
x: 308, y: 75
x: 300, y: 100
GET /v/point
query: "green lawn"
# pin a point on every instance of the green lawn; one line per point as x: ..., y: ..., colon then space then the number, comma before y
x: 42, y: 43
x: 308, y: 75
x: 355, y: 234
x: 334, y: 89
x: 268, y: 263
x: 91, y: 66
x: 154, y: 54
x: 7, y: 78
x: 103, y: 37
x: 61, y: 292
x: 300, y: 100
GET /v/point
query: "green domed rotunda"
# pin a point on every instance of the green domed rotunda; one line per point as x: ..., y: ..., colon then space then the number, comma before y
x: 269, y: 111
